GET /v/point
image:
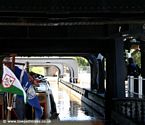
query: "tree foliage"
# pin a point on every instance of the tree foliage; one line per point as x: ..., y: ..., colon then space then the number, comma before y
x: 82, y: 61
x: 137, y: 58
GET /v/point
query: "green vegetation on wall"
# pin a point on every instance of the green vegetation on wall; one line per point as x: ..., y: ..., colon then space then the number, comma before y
x: 39, y: 70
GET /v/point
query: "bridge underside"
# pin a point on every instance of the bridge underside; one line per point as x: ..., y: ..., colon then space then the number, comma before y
x: 61, y: 27
x: 60, y: 40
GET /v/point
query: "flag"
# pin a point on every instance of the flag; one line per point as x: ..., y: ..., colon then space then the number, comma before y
x: 11, y: 84
x: 31, y: 95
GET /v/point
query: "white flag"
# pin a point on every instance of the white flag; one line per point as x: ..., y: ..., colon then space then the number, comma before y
x: 11, y: 84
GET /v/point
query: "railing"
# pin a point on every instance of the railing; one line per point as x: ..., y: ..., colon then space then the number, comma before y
x: 131, y: 108
x: 130, y: 87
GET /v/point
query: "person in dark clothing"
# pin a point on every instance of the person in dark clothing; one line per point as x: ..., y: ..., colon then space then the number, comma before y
x: 133, y: 70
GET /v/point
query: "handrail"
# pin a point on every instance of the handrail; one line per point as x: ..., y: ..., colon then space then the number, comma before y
x: 131, y: 87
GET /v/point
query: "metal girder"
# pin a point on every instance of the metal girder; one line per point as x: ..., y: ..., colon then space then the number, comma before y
x: 66, y: 26
x: 74, y: 6
x: 70, y: 12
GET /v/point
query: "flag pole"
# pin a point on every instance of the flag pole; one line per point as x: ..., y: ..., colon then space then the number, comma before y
x: 10, y: 94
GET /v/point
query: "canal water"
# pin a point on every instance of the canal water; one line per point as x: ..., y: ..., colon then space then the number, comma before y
x: 69, y: 107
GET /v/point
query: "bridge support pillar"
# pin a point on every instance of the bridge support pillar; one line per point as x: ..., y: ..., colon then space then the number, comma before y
x: 116, y: 69
x: 120, y: 69
x: 94, y: 71
x: 46, y: 71
x: 101, y: 75
x: 116, y: 73
x: 142, y: 48
x: 97, y: 73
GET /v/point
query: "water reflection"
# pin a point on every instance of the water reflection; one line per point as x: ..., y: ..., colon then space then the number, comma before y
x: 70, y: 108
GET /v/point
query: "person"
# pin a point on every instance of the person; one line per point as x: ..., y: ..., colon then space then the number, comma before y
x: 31, y: 95
x: 33, y: 80
x: 133, y: 70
